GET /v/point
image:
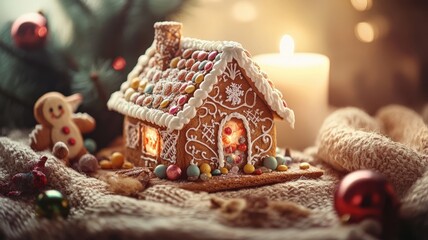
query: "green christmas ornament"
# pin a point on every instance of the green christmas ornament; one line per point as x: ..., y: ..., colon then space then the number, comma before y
x: 52, y: 204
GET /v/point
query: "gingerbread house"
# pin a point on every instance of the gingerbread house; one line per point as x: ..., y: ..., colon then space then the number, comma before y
x: 190, y: 101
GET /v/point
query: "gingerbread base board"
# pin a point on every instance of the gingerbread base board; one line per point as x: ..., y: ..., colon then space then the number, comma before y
x: 228, y: 182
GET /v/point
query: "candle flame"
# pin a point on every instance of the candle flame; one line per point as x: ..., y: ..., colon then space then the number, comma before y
x: 286, y: 46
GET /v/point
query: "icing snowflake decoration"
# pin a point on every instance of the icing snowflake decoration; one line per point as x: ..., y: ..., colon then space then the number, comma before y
x: 234, y: 93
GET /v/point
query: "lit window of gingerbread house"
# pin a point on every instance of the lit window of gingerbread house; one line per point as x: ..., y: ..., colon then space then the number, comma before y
x: 190, y: 101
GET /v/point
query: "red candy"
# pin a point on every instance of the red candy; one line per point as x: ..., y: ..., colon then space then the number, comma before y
x: 65, y: 130
x: 228, y: 130
x: 242, y: 147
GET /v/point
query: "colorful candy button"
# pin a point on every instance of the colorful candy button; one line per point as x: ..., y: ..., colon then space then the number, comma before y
x: 190, y: 89
x: 212, y: 55
x: 173, y: 110
x: 174, y: 62
x: 187, y: 53
x: 164, y: 103
x: 182, y: 100
x: 135, y: 83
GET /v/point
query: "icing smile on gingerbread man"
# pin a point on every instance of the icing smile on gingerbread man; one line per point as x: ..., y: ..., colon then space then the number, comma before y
x: 56, y: 116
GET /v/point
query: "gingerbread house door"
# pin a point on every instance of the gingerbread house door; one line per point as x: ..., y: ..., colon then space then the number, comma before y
x: 233, y: 143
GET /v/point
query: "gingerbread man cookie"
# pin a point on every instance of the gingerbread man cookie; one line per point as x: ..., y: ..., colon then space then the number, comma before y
x: 59, y: 124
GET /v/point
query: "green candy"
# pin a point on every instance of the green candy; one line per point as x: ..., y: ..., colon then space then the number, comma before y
x: 160, y: 171
x: 270, y: 162
x: 193, y: 171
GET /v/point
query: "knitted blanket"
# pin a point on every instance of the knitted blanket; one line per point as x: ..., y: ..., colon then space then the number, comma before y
x: 394, y: 142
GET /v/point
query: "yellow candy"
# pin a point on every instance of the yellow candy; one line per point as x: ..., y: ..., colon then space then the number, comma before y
x: 164, y: 103
x: 199, y: 78
x: 142, y: 85
x: 209, y: 175
x: 224, y: 170
x: 117, y: 159
x: 282, y: 168
x: 127, y: 165
x: 205, y: 168
x: 189, y: 89
x: 105, y: 164
x: 135, y: 83
x: 248, y: 168
x: 128, y: 93
x: 173, y: 63
x: 304, y: 166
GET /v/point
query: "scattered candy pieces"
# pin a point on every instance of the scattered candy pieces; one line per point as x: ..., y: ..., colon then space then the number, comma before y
x: 216, y: 172
x: 282, y: 168
x: 106, y: 164
x: 127, y: 165
x: 173, y: 172
x: 249, y: 168
x: 224, y: 170
x: 304, y: 166
x: 193, y: 171
x: 270, y: 162
x: 205, y: 168
x: 160, y: 171
x: 117, y: 159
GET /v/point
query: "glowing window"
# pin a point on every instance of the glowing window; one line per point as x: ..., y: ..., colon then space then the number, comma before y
x: 151, y: 141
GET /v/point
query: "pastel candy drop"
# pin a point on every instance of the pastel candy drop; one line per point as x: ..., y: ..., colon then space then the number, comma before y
x: 212, y: 55
x: 270, y: 162
x: 190, y: 89
x: 181, y: 75
x: 140, y: 99
x: 189, y: 76
x: 157, y: 76
x: 160, y: 171
x: 198, y: 78
x: 127, y: 165
x: 187, y: 53
x: 90, y: 145
x: 208, y: 66
x: 282, y: 168
x: 288, y: 160
x: 182, y: 100
x: 205, y: 168
x: 149, y: 88
x: 202, y: 55
x: 134, y: 97
x: 258, y: 171
x: 195, y: 66
x: 117, y: 159
x: 229, y: 159
x: 173, y: 110
x: 224, y: 170
x: 181, y: 64
x: 189, y: 63
x: 147, y: 101
x: 205, y: 176
x: 142, y: 85
x: 202, y: 65
x: 135, y: 83
x: 195, y: 54
x: 280, y: 160
x: 157, y: 101
x: 183, y: 88
x: 218, y: 57
x: 216, y: 172
x: 304, y: 166
x: 174, y: 62
x: 235, y: 169
x: 128, y: 93
x: 106, y: 164
x: 249, y: 168
x: 193, y: 171
x: 164, y: 103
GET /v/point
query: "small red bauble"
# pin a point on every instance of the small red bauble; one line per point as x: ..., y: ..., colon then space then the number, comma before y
x: 173, y: 172
x: 365, y: 194
x: 228, y: 130
x: 242, y: 147
x: 29, y: 31
x: 119, y: 63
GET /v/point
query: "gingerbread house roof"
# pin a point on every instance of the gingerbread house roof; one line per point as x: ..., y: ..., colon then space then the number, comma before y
x: 166, y: 87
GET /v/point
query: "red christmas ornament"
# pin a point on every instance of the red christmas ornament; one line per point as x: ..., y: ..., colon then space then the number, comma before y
x: 29, y: 31
x: 173, y: 172
x: 228, y: 130
x: 365, y: 194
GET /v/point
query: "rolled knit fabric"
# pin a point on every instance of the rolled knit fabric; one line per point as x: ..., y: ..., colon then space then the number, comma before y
x: 394, y: 143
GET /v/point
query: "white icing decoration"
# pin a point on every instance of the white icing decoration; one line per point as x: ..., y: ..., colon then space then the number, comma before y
x: 169, y: 146
x: 220, y: 141
x: 230, y: 51
x: 132, y: 135
x: 234, y: 93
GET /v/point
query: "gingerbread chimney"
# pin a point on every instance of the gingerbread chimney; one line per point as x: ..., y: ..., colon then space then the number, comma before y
x: 167, y: 37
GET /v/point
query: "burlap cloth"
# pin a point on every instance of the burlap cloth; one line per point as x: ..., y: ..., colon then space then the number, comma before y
x: 394, y: 142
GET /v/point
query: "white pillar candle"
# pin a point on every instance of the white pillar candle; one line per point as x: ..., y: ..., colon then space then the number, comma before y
x: 303, y: 80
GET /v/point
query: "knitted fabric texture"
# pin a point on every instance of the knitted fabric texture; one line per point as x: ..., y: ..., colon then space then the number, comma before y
x: 394, y: 142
